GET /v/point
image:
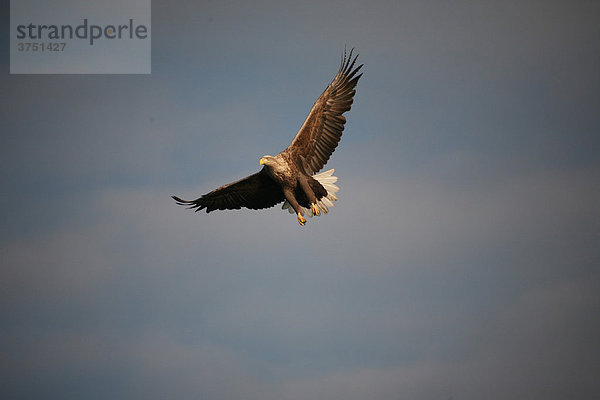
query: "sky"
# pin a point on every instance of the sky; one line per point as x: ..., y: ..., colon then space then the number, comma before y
x: 460, y: 262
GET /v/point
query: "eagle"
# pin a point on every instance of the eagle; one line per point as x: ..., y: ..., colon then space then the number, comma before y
x: 292, y: 176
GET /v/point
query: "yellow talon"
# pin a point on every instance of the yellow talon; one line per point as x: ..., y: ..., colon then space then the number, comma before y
x: 315, y: 210
x: 301, y: 219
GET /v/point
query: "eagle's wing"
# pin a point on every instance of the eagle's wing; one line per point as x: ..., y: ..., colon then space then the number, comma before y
x: 321, y: 132
x: 255, y: 192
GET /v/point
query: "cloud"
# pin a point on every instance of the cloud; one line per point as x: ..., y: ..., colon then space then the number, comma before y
x: 517, y: 351
x: 386, y: 302
x: 459, y: 262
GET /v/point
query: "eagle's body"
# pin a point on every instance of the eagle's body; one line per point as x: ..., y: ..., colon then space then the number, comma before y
x: 291, y: 175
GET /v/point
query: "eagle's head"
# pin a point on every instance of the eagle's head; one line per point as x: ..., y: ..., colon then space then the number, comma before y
x: 267, y: 160
x: 275, y: 165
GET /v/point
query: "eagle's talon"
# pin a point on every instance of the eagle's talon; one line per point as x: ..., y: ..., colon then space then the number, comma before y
x: 301, y: 219
x: 315, y: 210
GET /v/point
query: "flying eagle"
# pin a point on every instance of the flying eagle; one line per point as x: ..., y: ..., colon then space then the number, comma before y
x: 292, y: 175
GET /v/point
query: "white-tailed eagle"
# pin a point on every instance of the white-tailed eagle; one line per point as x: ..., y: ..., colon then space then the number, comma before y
x: 292, y: 175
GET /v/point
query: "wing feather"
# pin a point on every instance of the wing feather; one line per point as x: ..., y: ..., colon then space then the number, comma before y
x: 322, y: 130
x: 255, y: 192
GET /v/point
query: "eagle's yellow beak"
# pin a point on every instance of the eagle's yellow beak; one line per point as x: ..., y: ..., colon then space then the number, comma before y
x: 262, y: 161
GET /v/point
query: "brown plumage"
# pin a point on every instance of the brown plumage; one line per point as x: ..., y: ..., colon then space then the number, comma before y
x: 290, y: 175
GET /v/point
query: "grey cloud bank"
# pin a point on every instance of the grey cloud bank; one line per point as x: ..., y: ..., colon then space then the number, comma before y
x: 460, y: 262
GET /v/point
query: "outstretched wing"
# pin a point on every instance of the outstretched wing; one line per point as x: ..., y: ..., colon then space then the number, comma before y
x: 255, y: 192
x: 321, y: 132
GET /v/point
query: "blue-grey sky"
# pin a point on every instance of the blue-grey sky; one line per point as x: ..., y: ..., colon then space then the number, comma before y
x: 461, y: 260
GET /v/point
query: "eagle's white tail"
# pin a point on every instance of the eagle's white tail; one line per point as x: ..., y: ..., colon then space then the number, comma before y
x: 327, y: 180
